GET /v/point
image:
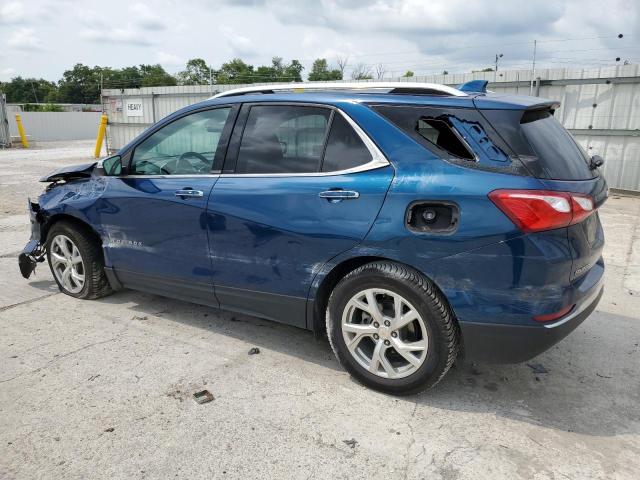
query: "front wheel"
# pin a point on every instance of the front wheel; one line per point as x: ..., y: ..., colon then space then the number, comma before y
x: 391, y: 328
x: 76, y: 261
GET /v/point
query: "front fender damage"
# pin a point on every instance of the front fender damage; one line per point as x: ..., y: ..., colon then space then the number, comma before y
x: 34, y: 252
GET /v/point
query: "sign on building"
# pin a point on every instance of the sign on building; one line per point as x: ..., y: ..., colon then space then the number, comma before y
x: 134, y: 107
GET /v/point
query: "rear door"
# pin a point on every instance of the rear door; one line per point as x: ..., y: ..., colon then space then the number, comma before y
x: 301, y: 184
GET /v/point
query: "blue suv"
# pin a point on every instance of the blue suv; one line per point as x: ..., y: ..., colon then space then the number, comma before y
x: 410, y: 222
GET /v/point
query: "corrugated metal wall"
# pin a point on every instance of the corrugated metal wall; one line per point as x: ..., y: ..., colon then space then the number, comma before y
x: 52, y: 126
x: 600, y: 107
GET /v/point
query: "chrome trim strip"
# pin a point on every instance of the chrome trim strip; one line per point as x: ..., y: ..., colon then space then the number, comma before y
x: 339, y: 194
x: 586, y: 302
x: 190, y: 175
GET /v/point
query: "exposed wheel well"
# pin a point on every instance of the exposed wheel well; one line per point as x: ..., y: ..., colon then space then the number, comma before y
x: 72, y: 220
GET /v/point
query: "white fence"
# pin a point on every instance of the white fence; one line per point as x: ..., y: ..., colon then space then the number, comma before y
x: 51, y: 126
x: 600, y: 107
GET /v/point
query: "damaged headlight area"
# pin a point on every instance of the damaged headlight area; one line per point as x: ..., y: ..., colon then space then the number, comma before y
x: 34, y: 252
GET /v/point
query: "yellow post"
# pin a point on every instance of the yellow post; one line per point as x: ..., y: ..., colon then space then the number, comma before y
x: 101, y: 131
x: 23, y: 136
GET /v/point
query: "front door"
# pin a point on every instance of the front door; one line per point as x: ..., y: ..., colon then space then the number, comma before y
x: 154, y: 216
x: 304, y: 185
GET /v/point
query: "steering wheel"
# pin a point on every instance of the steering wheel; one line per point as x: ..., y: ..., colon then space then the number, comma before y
x: 183, y: 162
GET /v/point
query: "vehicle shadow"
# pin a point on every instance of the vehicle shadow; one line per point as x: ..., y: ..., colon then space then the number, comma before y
x: 568, y: 388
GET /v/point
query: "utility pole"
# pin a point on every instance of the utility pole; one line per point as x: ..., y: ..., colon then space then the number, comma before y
x: 210, y: 81
x: 34, y: 92
x: 533, y: 68
x: 495, y: 71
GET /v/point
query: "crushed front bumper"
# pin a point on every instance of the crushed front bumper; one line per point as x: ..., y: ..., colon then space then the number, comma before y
x: 34, y: 251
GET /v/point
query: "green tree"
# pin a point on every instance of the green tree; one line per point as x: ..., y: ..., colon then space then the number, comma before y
x: 81, y: 84
x: 408, y: 73
x: 235, y: 71
x: 197, y: 72
x: 320, y: 71
x: 33, y: 90
x: 156, y: 76
x: 279, y: 71
x: 41, y: 107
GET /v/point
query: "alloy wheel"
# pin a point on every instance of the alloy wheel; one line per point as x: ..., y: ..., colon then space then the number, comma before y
x: 384, y: 333
x: 67, y: 264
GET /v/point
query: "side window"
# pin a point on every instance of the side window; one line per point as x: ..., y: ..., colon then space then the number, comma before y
x: 442, y: 135
x: 283, y: 139
x: 184, y: 147
x: 345, y: 149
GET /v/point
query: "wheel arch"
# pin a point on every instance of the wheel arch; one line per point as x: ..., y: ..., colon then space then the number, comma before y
x: 65, y: 217
x: 326, y: 281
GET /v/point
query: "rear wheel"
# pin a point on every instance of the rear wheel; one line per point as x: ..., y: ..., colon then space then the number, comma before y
x: 76, y: 262
x: 391, y: 328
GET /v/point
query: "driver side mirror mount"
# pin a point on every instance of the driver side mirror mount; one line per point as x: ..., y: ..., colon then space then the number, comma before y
x: 112, y: 166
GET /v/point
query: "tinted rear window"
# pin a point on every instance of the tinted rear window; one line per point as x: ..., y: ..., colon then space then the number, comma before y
x: 542, y: 143
x: 345, y: 149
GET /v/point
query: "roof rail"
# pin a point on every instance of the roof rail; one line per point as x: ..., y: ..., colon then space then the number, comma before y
x: 406, y: 88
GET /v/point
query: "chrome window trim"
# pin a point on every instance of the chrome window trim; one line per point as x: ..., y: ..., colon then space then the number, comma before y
x: 187, y: 175
x: 378, y: 160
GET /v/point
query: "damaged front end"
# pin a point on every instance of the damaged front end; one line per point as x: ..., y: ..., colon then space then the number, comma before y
x: 34, y: 252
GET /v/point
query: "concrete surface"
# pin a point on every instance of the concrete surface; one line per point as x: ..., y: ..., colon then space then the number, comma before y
x: 102, y: 389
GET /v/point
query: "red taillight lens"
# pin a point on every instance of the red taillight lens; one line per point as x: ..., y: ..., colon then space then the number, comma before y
x: 582, y: 207
x: 538, y: 210
x: 553, y: 316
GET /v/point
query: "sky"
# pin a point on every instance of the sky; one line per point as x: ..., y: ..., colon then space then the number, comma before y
x: 41, y: 38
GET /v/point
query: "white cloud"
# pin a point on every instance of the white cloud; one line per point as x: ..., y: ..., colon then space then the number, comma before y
x: 12, y: 13
x: 169, y: 59
x: 240, y: 45
x: 146, y: 18
x: 128, y: 35
x: 418, y: 35
x: 24, y: 39
x: 7, y: 74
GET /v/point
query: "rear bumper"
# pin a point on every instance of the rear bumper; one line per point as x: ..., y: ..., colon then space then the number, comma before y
x: 501, y: 343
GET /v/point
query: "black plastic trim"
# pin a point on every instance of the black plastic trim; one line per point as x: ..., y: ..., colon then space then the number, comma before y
x: 500, y: 343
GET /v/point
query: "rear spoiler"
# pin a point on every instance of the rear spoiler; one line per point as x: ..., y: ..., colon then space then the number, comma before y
x: 545, y: 105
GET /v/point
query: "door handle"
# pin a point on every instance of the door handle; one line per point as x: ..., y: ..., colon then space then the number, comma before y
x: 339, y: 195
x: 189, y: 193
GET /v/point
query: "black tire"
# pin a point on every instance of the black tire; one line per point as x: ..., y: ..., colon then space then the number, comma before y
x: 442, y: 328
x: 96, y: 284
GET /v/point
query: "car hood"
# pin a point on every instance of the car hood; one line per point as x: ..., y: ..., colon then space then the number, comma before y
x: 82, y: 170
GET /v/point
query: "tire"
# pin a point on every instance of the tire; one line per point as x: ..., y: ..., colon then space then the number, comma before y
x: 434, y: 332
x: 90, y: 267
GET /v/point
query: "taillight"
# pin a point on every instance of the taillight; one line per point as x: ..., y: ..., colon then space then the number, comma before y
x: 538, y: 210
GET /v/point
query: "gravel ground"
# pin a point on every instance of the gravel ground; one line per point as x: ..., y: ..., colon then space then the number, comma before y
x: 103, y: 389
